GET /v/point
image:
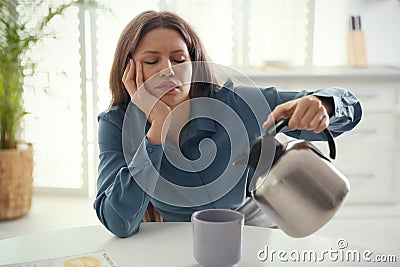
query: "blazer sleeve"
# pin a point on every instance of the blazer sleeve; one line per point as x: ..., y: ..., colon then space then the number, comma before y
x: 121, y: 202
x: 347, y: 110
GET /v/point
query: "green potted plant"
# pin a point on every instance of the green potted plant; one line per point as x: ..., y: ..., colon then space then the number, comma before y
x: 17, y: 36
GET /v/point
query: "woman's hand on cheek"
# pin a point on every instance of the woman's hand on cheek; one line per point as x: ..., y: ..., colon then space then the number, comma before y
x: 140, y: 96
x: 155, y: 109
x: 306, y: 113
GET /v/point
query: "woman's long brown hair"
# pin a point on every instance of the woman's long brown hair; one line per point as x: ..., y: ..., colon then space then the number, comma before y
x: 152, y: 215
x: 126, y: 46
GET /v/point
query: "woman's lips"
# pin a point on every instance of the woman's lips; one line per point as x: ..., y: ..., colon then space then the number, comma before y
x: 167, y: 86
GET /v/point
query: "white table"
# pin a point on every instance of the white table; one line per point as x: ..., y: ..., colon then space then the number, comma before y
x: 165, y: 244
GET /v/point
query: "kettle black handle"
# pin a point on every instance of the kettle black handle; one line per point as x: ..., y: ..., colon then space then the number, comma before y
x: 279, y: 125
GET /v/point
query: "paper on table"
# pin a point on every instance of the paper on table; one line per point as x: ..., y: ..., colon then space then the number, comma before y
x: 94, y: 259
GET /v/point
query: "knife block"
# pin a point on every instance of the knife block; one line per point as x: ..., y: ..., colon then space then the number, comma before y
x: 357, y: 56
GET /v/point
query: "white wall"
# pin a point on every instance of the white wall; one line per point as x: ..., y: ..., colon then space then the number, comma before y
x: 330, y: 33
x: 380, y: 23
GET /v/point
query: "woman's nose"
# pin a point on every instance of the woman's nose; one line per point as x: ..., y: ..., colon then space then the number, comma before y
x: 167, y: 69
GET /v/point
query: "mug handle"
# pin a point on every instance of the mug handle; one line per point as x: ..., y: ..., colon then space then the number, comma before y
x: 280, y: 124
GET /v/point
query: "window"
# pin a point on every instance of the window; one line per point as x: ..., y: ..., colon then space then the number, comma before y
x: 53, y: 100
x: 278, y: 32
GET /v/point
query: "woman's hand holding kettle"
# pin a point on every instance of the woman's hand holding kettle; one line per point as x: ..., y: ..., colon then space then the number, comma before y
x: 306, y: 113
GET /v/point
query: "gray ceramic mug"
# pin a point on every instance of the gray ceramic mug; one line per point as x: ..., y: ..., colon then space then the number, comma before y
x: 217, y: 237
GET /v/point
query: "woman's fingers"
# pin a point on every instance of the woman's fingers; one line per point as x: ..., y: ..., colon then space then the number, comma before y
x: 125, y: 72
x: 128, y: 78
x: 306, y: 120
x: 323, y: 124
x: 315, y: 121
x: 284, y: 110
x: 309, y: 114
x: 139, y: 74
x: 142, y: 98
x: 131, y: 72
x: 306, y: 113
x: 133, y: 81
x: 299, y: 112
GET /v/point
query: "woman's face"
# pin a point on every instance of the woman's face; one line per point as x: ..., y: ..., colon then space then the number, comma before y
x: 166, y: 66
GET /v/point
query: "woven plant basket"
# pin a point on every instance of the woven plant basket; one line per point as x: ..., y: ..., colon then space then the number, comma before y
x: 16, y: 182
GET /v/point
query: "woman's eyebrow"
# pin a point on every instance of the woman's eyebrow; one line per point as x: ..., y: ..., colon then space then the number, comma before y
x: 151, y: 52
x: 177, y: 51
x: 157, y: 52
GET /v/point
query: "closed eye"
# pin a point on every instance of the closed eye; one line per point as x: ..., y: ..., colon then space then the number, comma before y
x: 150, y: 62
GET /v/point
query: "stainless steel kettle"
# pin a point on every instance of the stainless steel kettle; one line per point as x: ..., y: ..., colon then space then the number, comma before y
x: 302, y: 189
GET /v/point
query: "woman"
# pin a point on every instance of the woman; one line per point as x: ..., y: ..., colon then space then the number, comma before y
x: 157, y: 59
